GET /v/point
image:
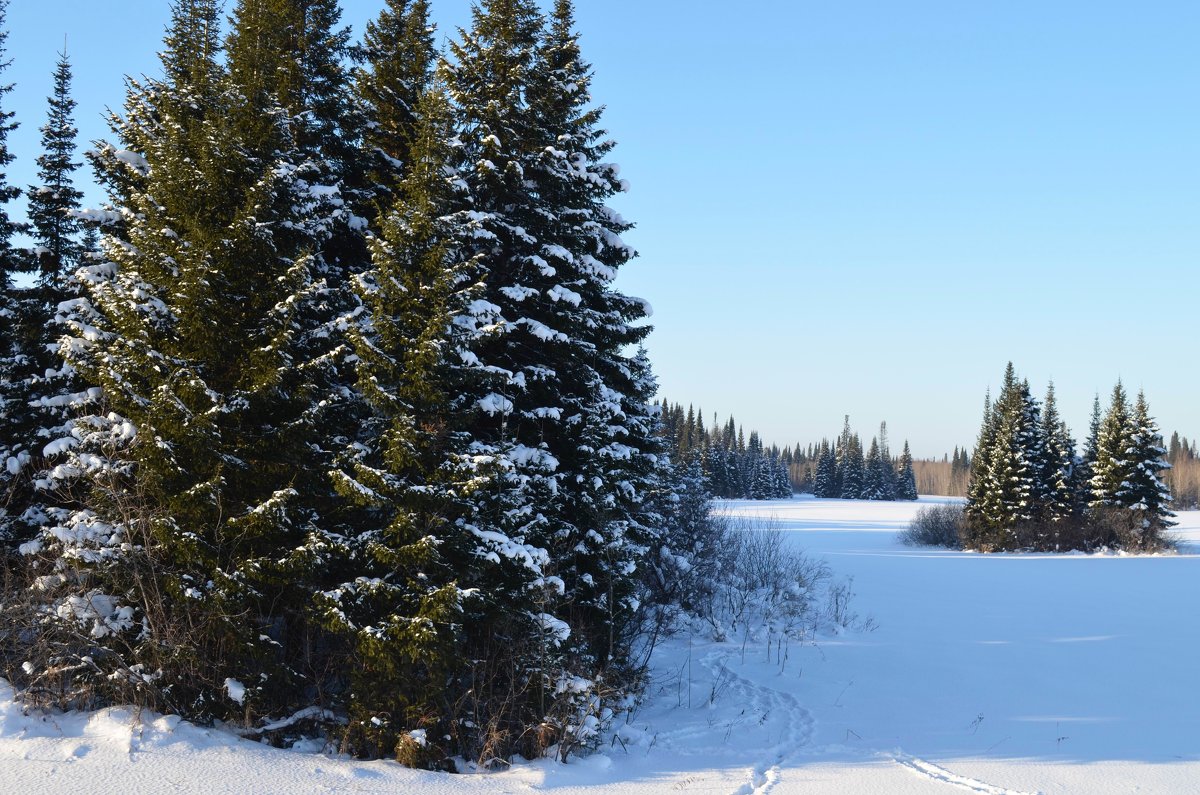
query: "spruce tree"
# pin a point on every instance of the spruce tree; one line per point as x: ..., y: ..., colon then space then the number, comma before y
x: 399, y: 59
x: 1005, y: 484
x: 872, y: 487
x: 826, y: 475
x: 568, y: 433
x: 54, y: 201
x: 1144, y: 492
x: 38, y: 385
x: 851, y: 467
x: 195, y: 544
x: 20, y: 335
x: 29, y: 372
x: 1091, y: 447
x: 408, y: 587
x: 907, y: 486
x: 1058, y: 472
x: 1111, y: 466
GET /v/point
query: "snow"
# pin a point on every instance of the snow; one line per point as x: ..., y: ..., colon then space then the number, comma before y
x: 986, y: 673
x: 236, y: 690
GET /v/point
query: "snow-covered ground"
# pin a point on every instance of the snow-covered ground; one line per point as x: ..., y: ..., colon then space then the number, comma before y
x: 990, y: 674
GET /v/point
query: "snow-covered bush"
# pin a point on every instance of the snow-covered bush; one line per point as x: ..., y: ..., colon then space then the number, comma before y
x: 936, y: 526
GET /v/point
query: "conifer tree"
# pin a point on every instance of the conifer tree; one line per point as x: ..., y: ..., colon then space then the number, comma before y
x: 399, y: 58
x: 1144, y: 492
x: 907, y: 486
x: 1112, y: 466
x: 1005, y: 485
x: 887, y: 472
x: 872, y: 488
x: 569, y: 431
x: 38, y: 385
x: 826, y: 476
x: 54, y: 201
x: 19, y: 337
x: 1058, y: 470
x: 408, y: 587
x: 1091, y: 447
x: 851, y: 468
x: 193, y: 549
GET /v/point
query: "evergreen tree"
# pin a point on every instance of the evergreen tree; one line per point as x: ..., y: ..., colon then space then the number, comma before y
x: 54, y: 201
x: 408, y: 585
x: 1091, y: 449
x: 887, y: 472
x: 569, y: 430
x: 1005, y: 487
x: 1111, y: 465
x: 1144, y: 492
x: 193, y: 552
x: 852, y: 469
x: 30, y: 376
x: 1058, y: 471
x: 399, y: 58
x: 824, y: 482
x: 872, y: 487
x: 907, y: 486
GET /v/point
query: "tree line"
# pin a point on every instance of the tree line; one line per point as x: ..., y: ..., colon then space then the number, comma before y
x: 842, y: 470
x: 1030, y: 489
x: 330, y: 418
x: 734, y: 466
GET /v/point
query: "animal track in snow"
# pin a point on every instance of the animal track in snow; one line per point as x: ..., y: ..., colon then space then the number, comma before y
x: 770, y: 705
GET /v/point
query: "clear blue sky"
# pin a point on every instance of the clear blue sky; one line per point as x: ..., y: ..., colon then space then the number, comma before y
x: 855, y: 207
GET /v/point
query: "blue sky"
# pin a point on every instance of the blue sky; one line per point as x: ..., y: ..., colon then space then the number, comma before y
x: 855, y: 207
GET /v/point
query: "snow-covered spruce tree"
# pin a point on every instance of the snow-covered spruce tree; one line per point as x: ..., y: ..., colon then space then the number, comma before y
x: 1087, y: 463
x: 826, y: 476
x: 398, y: 61
x: 54, y: 202
x: 38, y: 385
x: 1005, y: 485
x: 1058, y: 509
x: 851, y: 467
x: 570, y: 434
x: 1143, y: 493
x: 410, y: 587
x: 887, y: 471
x: 1111, y: 466
x: 872, y: 488
x: 292, y: 55
x: 976, y: 527
x: 180, y: 581
x: 906, y: 486
x: 18, y: 342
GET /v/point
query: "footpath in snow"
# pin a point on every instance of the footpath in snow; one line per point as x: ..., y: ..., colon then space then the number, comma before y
x: 987, y: 674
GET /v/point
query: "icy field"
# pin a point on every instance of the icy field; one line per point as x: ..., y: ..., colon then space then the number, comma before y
x: 988, y: 674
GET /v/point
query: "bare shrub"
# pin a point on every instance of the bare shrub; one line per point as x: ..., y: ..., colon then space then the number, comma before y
x: 940, y: 525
